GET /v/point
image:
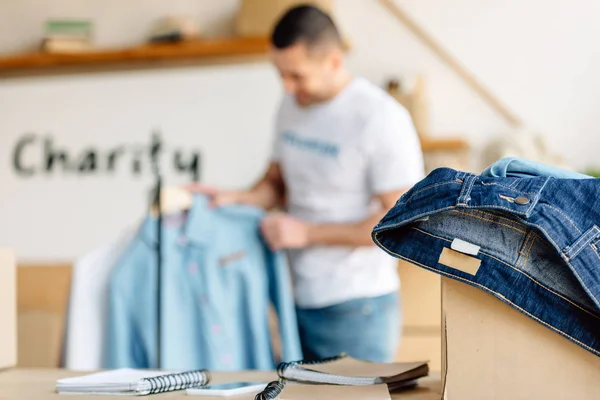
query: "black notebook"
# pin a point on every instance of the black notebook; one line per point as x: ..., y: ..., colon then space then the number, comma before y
x: 133, y: 382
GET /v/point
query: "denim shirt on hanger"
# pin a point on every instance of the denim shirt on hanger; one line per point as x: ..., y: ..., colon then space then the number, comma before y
x: 218, y: 280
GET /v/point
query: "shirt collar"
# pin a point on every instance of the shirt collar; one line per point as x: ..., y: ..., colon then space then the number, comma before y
x: 197, y: 224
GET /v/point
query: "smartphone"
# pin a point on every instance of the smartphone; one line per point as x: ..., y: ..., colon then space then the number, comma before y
x: 227, y: 389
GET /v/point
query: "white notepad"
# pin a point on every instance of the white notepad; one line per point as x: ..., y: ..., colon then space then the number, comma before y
x: 133, y: 382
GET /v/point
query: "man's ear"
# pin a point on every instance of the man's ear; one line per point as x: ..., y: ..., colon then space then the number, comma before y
x: 337, y: 58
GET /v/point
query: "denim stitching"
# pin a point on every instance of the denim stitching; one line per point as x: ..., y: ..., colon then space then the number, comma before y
x: 547, y: 237
x: 512, y: 267
x: 520, y: 224
x: 514, y: 184
x: 487, y: 214
x: 529, y: 251
x: 564, y: 215
x: 481, y: 286
x: 567, y: 261
x: 509, y: 188
x: 461, y: 175
x: 541, y: 229
x: 573, y: 250
x: 576, y: 247
x: 465, y: 192
x: 523, y: 251
x: 416, y: 217
x: 504, y: 299
x: 543, y: 286
x: 426, y: 189
x: 489, y: 220
x: 582, y: 283
x: 499, y: 208
x: 595, y: 248
x: 431, y: 234
x: 541, y: 189
x: 510, y: 199
x: 503, y: 262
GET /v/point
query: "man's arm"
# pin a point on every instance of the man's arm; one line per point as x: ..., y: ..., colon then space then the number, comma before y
x: 267, y: 193
x: 284, y: 231
x: 353, y: 234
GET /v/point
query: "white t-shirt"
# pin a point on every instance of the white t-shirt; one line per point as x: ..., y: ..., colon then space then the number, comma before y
x: 334, y: 157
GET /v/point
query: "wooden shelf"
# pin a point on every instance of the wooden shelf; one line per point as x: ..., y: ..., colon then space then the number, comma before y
x: 161, y: 54
x: 444, y: 144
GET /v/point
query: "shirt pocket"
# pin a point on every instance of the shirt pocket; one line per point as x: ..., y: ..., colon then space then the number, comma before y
x: 243, y: 269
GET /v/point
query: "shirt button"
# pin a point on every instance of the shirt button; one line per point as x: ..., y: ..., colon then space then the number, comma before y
x: 522, y: 200
x: 182, y: 240
x: 227, y: 359
x: 193, y: 268
x: 203, y: 299
x: 216, y: 329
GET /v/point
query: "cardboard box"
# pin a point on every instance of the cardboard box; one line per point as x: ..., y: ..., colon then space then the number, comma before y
x: 421, y: 296
x: 421, y: 315
x: 257, y: 17
x: 423, y: 345
x: 491, y: 351
x: 8, y: 309
x: 43, y: 295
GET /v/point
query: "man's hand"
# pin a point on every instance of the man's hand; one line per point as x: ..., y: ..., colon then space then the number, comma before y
x: 266, y: 194
x: 220, y: 198
x: 282, y: 231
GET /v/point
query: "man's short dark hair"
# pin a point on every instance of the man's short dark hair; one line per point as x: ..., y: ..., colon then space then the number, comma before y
x: 305, y: 24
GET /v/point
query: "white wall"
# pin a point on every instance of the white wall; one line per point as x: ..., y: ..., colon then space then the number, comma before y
x: 537, y: 57
x: 61, y: 215
x: 540, y: 57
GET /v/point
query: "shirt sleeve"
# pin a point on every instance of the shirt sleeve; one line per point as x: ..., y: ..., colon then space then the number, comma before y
x: 282, y: 298
x: 395, y: 158
x: 278, y: 127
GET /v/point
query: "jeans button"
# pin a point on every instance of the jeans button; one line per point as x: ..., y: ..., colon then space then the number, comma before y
x: 522, y: 200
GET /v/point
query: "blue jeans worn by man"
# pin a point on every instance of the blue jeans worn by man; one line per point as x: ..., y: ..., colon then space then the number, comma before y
x: 367, y: 329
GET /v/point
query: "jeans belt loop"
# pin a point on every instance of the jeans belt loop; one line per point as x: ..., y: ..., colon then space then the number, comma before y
x: 590, y: 236
x: 465, y: 192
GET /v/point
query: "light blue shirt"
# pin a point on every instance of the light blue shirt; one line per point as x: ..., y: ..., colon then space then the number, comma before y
x: 514, y: 167
x: 218, y: 281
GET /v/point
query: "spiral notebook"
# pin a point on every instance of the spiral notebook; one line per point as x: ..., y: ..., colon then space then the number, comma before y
x: 282, y: 390
x: 297, y: 391
x: 345, y: 370
x: 339, y: 374
x: 132, y: 382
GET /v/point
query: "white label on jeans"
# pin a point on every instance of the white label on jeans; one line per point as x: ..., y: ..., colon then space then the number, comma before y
x: 465, y: 247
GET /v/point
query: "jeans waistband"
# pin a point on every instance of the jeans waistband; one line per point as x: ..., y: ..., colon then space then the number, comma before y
x: 565, y: 211
x: 534, y: 242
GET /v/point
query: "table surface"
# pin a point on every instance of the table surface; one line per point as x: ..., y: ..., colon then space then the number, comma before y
x: 39, y: 384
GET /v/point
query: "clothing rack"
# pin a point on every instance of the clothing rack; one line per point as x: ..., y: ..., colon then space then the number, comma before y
x: 159, y: 259
x: 158, y: 207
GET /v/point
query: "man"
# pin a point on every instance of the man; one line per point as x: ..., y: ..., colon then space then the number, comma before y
x: 345, y: 151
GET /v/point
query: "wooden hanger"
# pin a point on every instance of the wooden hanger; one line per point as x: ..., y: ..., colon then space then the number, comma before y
x: 173, y: 199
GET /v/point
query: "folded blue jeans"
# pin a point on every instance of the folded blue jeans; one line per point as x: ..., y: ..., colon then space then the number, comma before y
x: 531, y: 242
x: 367, y: 329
